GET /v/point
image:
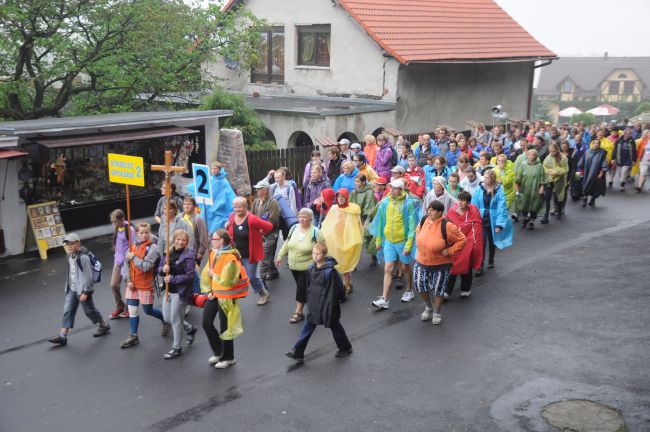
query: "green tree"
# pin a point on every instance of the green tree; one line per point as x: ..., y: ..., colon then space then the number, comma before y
x: 88, y: 56
x: 243, y: 118
x: 542, y: 111
x: 643, y: 107
x: 588, y: 118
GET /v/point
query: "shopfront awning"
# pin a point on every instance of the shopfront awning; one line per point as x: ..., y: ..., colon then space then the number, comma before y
x: 325, y: 141
x: 73, y: 141
x: 8, y: 154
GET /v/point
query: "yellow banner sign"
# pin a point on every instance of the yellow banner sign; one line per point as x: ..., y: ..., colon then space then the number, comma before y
x: 125, y: 169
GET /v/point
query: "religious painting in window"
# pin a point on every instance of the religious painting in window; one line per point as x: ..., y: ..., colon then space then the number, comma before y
x: 269, y: 69
x: 314, y: 45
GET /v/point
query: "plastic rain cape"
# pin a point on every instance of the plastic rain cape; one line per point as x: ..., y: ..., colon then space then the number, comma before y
x: 343, y: 234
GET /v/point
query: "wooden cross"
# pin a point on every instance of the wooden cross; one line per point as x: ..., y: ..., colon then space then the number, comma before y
x: 168, y: 169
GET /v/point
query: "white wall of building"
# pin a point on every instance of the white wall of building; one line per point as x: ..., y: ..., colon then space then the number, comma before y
x: 283, y: 126
x: 357, y: 65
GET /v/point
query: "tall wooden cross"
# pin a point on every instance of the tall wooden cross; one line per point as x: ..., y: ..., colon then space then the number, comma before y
x: 168, y: 169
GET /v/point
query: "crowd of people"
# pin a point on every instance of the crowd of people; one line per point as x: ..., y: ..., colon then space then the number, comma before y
x: 429, y: 213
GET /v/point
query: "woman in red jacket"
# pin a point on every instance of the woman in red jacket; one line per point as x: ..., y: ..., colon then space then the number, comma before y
x: 467, y: 217
x: 247, y: 230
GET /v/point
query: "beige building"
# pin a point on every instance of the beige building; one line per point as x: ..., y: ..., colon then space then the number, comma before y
x: 596, y: 79
x: 343, y: 68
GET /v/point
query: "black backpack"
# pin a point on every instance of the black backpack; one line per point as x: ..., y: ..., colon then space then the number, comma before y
x: 443, y: 228
x: 394, y: 157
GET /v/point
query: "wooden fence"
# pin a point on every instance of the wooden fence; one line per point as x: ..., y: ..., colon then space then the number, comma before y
x: 260, y: 162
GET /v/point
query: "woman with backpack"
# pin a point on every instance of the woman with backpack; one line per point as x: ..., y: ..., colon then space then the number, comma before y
x: 386, y: 157
x: 298, y: 246
x: 437, y: 242
x: 228, y: 282
x: 141, y: 263
x: 490, y: 199
x: 121, y: 241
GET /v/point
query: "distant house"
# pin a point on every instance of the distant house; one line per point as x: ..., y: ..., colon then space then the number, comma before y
x: 345, y: 68
x: 595, y: 79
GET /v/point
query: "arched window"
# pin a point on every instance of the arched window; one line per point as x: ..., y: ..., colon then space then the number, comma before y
x: 622, y: 76
x: 300, y: 139
x: 349, y: 136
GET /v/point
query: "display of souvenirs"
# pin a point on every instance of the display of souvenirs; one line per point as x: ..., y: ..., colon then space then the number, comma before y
x: 47, y: 226
x: 78, y: 175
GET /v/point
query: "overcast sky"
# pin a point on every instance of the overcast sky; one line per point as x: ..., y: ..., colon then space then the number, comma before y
x: 585, y: 27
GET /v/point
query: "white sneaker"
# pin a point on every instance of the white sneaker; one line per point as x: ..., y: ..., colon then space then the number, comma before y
x: 437, y: 319
x: 465, y: 293
x: 381, y: 303
x: 264, y: 297
x: 408, y: 296
x: 427, y: 314
x: 214, y: 359
x: 225, y: 363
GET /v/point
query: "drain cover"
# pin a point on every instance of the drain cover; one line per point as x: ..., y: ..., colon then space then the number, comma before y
x: 583, y: 416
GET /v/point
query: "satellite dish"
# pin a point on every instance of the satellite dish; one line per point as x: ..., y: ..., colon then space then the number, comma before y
x: 496, y: 110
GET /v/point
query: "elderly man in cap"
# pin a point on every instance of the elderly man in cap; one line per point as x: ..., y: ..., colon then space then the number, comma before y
x: 355, y: 148
x: 268, y: 209
x: 344, y: 145
x: 394, y: 230
x: 78, y: 289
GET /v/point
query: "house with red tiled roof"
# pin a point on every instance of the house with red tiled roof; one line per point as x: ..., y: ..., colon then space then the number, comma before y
x: 332, y: 68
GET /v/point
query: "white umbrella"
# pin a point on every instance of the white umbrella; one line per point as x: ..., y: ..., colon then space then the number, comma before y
x: 570, y: 111
x: 604, y: 110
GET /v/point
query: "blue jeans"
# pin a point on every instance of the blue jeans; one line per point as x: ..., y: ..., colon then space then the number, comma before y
x: 251, y: 271
x: 341, y: 339
x: 70, y: 309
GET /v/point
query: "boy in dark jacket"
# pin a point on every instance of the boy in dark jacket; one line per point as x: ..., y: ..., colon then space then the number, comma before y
x: 78, y: 289
x: 324, y: 292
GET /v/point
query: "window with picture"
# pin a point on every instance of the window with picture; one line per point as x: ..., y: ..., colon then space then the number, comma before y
x: 269, y: 69
x: 314, y: 45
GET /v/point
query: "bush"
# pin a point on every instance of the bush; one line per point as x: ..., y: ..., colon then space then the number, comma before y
x: 588, y: 118
x: 243, y: 118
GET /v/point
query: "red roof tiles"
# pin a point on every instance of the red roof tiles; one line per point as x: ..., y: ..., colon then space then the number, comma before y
x: 444, y: 30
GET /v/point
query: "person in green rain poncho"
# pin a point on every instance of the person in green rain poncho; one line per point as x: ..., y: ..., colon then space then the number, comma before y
x: 529, y: 186
x: 556, y: 168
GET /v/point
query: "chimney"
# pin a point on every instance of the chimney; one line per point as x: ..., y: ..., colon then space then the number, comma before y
x: 606, y: 55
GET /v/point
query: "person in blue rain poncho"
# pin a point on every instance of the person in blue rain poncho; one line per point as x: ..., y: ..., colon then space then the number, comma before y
x: 222, y: 197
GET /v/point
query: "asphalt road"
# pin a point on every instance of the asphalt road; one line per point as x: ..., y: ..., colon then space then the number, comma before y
x: 564, y: 315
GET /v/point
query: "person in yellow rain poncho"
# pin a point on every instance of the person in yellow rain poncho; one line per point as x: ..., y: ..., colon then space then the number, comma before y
x: 343, y: 233
x: 605, y: 144
x: 505, y: 171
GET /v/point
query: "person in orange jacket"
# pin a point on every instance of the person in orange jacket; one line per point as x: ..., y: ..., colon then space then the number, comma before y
x: 139, y: 274
x: 437, y: 242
